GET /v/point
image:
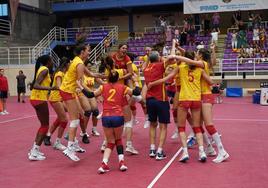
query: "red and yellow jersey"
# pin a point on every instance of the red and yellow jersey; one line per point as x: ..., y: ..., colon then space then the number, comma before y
x: 121, y: 63
x: 144, y: 58
x: 89, y: 82
x: 69, y: 84
x: 55, y: 94
x: 205, y: 87
x: 171, y: 86
x: 113, y: 98
x: 137, y: 72
x: 153, y: 72
x: 190, y: 83
x: 121, y: 73
x: 41, y: 95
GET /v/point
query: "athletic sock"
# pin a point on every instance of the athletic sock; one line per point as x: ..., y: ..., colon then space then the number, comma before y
x: 216, y: 137
x: 129, y: 143
x: 105, y: 161
x: 152, y: 147
x: 121, y: 157
x: 159, y: 150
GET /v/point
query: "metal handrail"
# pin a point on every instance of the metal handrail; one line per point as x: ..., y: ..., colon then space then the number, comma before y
x: 100, y: 48
x: 241, y: 61
x: 156, y: 29
x: 5, y: 26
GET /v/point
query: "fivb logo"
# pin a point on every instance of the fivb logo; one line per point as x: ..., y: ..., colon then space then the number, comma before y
x: 209, y: 8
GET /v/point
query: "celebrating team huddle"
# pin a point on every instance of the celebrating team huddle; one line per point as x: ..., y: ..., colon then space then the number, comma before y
x: 74, y: 98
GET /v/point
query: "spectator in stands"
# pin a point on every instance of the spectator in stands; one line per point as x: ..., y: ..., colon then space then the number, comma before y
x: 166, y: 50
x: 200, y: 45
x: 3, y: 91
x: 107, y: 44
x: 168, y: 34
x: 216, y: 21
x: 186, y: 25
x: 262, y: 36
x: 256, y: 35
x: 191, y: 35
x: 21, y: 87
x: 163, y: 23
x: 242, y: 55
x: 81, y: 36
x: 206, y: 23
x: 249, y: 51
x: 177, y: 34
x: 258, y: 54
x: 234, y: 39
x: 263, y: 55
x: 250, y: 20
x: 241, y: 38
x: 183, y: 39
x: 214, y: 36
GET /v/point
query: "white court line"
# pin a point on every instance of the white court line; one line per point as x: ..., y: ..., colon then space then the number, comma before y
x: 11, y: 120
x: 164, y: 169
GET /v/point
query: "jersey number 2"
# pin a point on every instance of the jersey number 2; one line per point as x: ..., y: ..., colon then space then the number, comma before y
x: 112, y: 93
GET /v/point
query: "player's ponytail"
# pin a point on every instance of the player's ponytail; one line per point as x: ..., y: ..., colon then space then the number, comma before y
x: 190, y: 55
x: 113, y: 76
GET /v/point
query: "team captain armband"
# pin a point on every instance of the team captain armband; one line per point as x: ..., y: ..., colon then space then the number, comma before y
x: 88, y: 94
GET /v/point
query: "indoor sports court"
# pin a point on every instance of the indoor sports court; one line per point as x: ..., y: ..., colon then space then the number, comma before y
x: 133, y: 94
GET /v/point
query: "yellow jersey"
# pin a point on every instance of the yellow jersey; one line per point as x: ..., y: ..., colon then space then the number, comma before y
x: 69, y: 84
x: 205, y: 87
x: 137, y: 72
x: 190, y: 83
x: 55, y: 94
x: 41, y: 95
x: 121, y: 73
x: 89, y: 82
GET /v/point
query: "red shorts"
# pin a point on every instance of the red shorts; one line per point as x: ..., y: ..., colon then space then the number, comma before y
x: 208, y: 98
x: 36, y: 102
x: 67, y: 96
x: 190, y: 104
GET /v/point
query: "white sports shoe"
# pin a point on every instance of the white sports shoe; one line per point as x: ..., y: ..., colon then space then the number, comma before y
x: 34, y: 155
x: 210, y: 151
x: 58, y: 146
x: 70, y: 152
x: 202, y: 156
x: 2, y: 113
x: 82, y: 134
x: 77, y: 148
x: 175, y: 135
x: 94, y: 132
x: 135, y: 122
x: 146, y: 124
x: 99, y: 116
x: 6, y: 112
x: 184, y: 157
x: 221, y: 157
x: 132, y: 150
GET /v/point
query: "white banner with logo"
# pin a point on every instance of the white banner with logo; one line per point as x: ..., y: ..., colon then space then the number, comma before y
x: 209, y: 6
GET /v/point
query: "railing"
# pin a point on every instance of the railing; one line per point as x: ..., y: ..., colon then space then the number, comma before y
x: 16, y: 55
x: 67, y: 1
x: 56, y: 34
x: 240, y: 65
x: 100, y: 49
x: 5, y: 27
x: 157, y: 29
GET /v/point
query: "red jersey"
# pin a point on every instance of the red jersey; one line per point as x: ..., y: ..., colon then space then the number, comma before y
x: 3, y: 83
x: 170, y: 85
x: 122, y: 63
x: 113, y: 99
x: 153, y: 72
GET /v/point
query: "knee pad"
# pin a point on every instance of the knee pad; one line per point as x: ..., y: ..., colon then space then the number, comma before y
x: 120, y: 149
x: 56, y: 123
x: 174, y: 113
x: 211, y: 129
x: 63, y: 124
x: 181, y: 129
x: 96, y: 112
x: 87, y: 113
x: 118, y: 142
x: 110, y: 146
x: 43, y: 129
x: 197, y: 130
x: 128, y: 124
x: 202, y: 129
x: 133, y: 107
x: 74, y: 123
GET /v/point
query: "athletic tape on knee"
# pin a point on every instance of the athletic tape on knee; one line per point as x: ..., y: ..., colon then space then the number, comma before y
x: 197, y: 130
x: 181, y: 129
x: 63, y: 124
x: 211, y: 129
x: 110, y: 146
x: 87, y: 113
x: 43, y: 129
x: 128, y: 124
x: 74, y: 123
x: 95, y: 112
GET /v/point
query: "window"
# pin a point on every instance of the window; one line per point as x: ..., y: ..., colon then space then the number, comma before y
x: 3, y: 10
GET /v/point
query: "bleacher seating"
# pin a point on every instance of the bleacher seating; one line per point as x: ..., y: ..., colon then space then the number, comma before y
x: 94, y: 37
